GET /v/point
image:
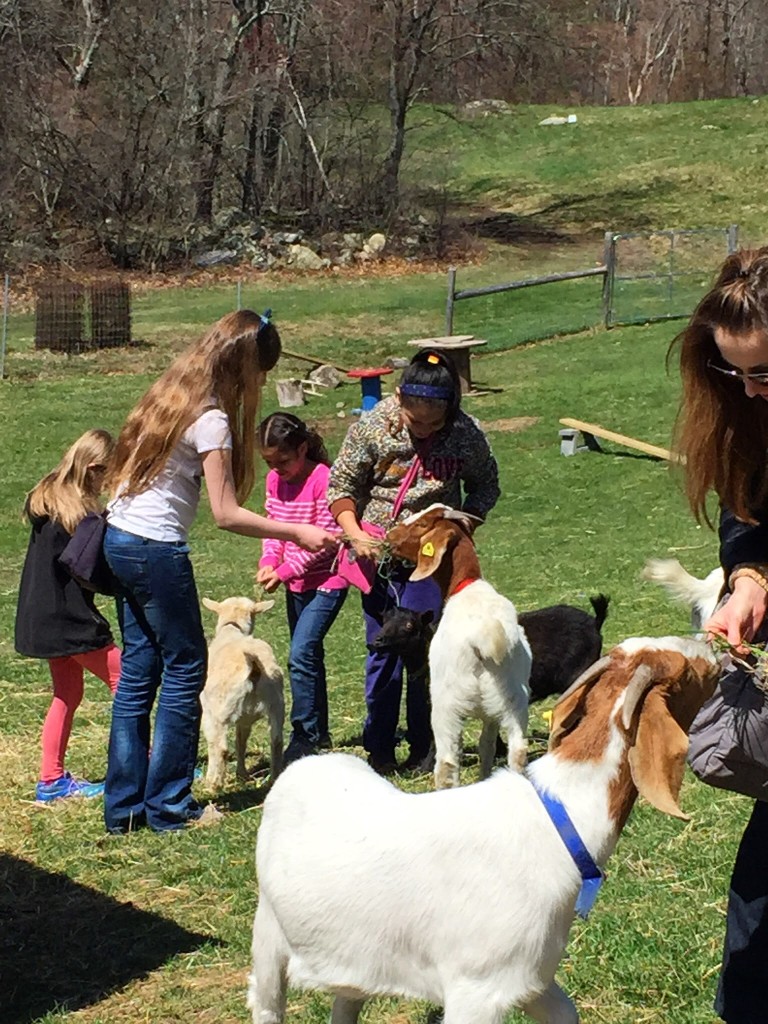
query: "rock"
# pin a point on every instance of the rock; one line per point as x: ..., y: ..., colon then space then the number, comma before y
x: 289, y: 392
x: 482, y: 108
x: 303, y: 258
x: 375, y: 243
x: 326, y: 375
x: 557, y: 119
x: 215, y: 256
x: 397, y: 362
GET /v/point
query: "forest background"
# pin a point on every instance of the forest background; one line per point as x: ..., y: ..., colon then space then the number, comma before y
x: 130, y: 131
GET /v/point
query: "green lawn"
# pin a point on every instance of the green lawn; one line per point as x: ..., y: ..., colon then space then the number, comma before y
x: 113, y: 930
x: 565, y: 528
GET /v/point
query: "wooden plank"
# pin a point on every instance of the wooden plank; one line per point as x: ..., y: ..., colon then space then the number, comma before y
x: 629, y: 442
x: 313, y: 359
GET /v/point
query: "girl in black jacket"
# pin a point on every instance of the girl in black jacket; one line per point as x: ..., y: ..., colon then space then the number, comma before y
x: 55, y: 618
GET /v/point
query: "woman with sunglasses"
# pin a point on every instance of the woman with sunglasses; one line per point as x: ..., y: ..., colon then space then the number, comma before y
x: 722, y: 431
x: 198, y: 419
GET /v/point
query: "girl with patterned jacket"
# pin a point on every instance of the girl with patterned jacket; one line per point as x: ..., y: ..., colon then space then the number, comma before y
x: 413, y: 449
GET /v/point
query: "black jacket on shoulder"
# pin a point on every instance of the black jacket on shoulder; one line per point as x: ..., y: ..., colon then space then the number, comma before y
x: 742, y: 542
x: 55, y: 617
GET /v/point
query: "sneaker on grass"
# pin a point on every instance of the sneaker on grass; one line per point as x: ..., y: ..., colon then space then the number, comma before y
x: 67, y: 785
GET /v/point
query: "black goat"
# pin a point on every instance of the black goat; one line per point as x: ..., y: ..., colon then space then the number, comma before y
x: 407, y: 634
x: 564, y: 642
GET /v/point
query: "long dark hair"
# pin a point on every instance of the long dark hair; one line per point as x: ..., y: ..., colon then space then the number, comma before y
x: 429, y: 369
x: 721, y: 432
x: 284, y: 431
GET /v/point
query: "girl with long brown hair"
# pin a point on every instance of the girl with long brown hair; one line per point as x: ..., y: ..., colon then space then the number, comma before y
x: 56, y: 618
x: 198, y: 419
x: 722, y: 431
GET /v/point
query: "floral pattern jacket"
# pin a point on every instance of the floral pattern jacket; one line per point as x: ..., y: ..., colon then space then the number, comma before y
x: 378, y: 451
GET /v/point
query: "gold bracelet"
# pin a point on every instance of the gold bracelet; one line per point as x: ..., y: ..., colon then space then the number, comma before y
x: 756, y: 573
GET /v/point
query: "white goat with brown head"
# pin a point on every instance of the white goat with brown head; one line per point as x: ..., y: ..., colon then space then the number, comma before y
x: 465, y: 897
x: 479, y: 658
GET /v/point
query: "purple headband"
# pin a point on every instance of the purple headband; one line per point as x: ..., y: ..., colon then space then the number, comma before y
x: 427, y: 391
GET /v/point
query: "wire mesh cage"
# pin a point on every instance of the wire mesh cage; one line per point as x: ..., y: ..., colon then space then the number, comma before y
x: 71, y: 317
x: 110, y: 303
x: 60, y: 316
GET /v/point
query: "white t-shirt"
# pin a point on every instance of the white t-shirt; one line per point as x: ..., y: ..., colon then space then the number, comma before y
x: 166, y: 509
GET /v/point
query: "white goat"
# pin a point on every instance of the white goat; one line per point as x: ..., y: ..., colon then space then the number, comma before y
x: 244, y: 683
x: 465, y: 896
x: 479, y: 658
x: 701, y: 595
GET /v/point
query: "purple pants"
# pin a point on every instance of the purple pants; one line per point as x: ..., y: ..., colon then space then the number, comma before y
x: 384, y: 672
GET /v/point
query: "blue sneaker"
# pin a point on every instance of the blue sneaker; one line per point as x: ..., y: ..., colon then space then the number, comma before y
x: 67, y: 785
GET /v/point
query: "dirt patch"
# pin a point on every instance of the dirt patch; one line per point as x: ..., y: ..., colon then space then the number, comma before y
x: 513, y: 425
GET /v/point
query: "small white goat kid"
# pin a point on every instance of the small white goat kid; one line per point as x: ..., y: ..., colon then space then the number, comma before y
x: 244, y: 683
x: 701, y: 595
x: 465, y: 896
x: 479, y: 658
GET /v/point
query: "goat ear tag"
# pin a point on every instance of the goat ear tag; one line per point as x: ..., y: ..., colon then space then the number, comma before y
x: 428, y: 550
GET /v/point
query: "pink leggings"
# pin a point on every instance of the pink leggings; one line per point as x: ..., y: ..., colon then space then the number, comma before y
x: 67, y: 676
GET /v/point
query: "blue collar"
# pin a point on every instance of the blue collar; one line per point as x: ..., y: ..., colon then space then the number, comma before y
x: 591, y: 875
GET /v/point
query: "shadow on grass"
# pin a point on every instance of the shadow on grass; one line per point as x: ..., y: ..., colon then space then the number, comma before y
x: 64, y: 945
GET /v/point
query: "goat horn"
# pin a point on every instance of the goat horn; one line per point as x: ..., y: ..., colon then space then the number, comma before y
x: 588, y: 676
x: 638, y: 686
x: 415, y: 516
x: 456, y: 513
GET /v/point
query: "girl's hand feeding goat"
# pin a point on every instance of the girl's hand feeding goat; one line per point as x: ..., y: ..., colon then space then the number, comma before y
x: 465, y: 897
x: 479, y: 658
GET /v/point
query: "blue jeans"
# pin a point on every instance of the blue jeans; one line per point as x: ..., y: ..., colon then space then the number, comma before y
x: 164, y: 650
x: 384, y: 670
x: 310, y: 615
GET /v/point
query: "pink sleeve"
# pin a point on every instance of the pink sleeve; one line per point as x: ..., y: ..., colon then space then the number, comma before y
x: 272, y: 550
x: 300, y: 560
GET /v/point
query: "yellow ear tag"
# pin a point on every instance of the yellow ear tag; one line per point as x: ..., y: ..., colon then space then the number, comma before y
x: 547, y: 716
x: 433, y: 359
x: 428, y: 550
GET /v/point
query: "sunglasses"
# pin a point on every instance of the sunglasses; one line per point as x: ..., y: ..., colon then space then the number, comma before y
x: 761, y: 379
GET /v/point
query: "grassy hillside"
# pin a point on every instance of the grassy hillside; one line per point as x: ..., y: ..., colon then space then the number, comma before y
x: 679, y: 165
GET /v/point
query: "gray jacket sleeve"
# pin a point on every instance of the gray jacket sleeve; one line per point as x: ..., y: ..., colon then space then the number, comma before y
x: 480, y: 476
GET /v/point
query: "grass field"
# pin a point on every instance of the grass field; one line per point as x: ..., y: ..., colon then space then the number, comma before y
x: 107, y: 930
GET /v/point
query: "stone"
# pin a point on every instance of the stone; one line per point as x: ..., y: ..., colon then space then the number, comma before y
x: 214, y: 257
x: 326, y: 375
x: 376, y: 243
x: 303, y: 258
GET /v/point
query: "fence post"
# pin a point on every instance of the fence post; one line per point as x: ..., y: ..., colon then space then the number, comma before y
x: 449, y: 301
x: 733, y: 238
x: 239, y: 295
x: 3, y: 339
x: 609, y: 261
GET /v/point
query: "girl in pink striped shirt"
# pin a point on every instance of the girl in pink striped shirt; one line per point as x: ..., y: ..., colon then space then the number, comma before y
x: 296, y: 493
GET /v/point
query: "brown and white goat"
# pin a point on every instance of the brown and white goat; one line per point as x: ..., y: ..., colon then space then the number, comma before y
x: 244, y: 683
x: 479, y: 658
x: 465, y: 897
